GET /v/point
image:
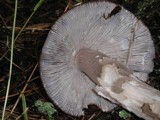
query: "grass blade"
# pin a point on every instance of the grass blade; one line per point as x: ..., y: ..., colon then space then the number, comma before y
x: 11, y: 59
x: 24, y: 107
x: 23, y: 27
x: 38, y: 5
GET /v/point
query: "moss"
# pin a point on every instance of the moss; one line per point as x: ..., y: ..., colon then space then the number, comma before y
x: 46, y: 108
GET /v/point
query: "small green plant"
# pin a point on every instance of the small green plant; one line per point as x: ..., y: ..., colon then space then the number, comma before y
x: 124, y: 114
x: 46, y: 108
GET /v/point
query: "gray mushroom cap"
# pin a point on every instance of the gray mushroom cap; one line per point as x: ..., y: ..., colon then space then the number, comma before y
x: 120, y: 36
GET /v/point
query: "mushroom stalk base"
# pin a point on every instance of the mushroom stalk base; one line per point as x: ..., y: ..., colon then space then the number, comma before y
x: 116, y: 83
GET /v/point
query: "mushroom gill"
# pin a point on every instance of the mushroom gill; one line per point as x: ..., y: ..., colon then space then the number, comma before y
x: 79, y: 40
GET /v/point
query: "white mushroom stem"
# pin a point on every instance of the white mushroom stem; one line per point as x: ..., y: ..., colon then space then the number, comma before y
x: 129, y: 92
x: 116, y: 83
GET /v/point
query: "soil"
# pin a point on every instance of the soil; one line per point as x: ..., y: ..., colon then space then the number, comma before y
x: 29, y: 44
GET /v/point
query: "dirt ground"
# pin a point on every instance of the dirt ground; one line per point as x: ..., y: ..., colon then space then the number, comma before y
x: 28, y: 46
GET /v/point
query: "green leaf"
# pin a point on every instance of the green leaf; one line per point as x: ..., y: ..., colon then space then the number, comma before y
x: 124, y: 114
x: 78, y: 1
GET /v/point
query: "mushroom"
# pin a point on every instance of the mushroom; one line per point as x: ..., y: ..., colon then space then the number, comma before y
x: 78, y: 45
